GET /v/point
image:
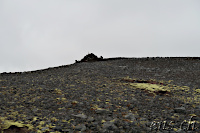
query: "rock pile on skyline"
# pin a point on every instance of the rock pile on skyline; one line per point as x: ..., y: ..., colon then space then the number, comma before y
x: 89, y: 58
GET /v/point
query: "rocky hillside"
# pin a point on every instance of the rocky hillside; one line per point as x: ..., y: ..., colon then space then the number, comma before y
x: 104, y: 95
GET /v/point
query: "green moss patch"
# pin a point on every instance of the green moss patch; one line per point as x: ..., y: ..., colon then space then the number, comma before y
x: 152, y: 88
x: 7, y: 124
x: 155, y: 87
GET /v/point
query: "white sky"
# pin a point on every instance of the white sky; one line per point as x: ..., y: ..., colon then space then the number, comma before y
x: 37, y: 34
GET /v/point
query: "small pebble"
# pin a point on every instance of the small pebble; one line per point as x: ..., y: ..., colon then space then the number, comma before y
x: 81, y: 127
x: 81, y: 116
x: 181, y: 110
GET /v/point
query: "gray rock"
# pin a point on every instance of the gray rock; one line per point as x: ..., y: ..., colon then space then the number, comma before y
x: 133, y: 100
x: 81, y: 116
x: 130, y: 116
x: 114, y: 127
x: 108, y: 118
x: 101, y: 111
x: 35, y: 110
x: 81, y: 127
x: 181, y: 110
x: 45, y: 128
x: 90, y: 119
x: 109, y: 125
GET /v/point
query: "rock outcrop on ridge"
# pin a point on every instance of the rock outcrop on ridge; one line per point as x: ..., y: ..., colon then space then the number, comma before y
x: 90, y: 57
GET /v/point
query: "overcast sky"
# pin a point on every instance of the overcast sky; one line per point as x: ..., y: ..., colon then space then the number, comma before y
x: 37, y: 34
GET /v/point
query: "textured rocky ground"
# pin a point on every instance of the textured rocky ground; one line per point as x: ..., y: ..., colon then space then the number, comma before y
x: 119, y: 95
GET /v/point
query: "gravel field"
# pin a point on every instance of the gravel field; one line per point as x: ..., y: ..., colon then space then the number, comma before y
x: 133, y: 95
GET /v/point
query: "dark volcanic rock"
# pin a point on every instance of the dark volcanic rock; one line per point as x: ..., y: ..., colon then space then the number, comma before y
x: 180, y: 110
x: 99, y: 96
x: 90, y: 57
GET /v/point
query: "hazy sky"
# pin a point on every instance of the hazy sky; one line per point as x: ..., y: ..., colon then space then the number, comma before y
x: 37, y: 34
